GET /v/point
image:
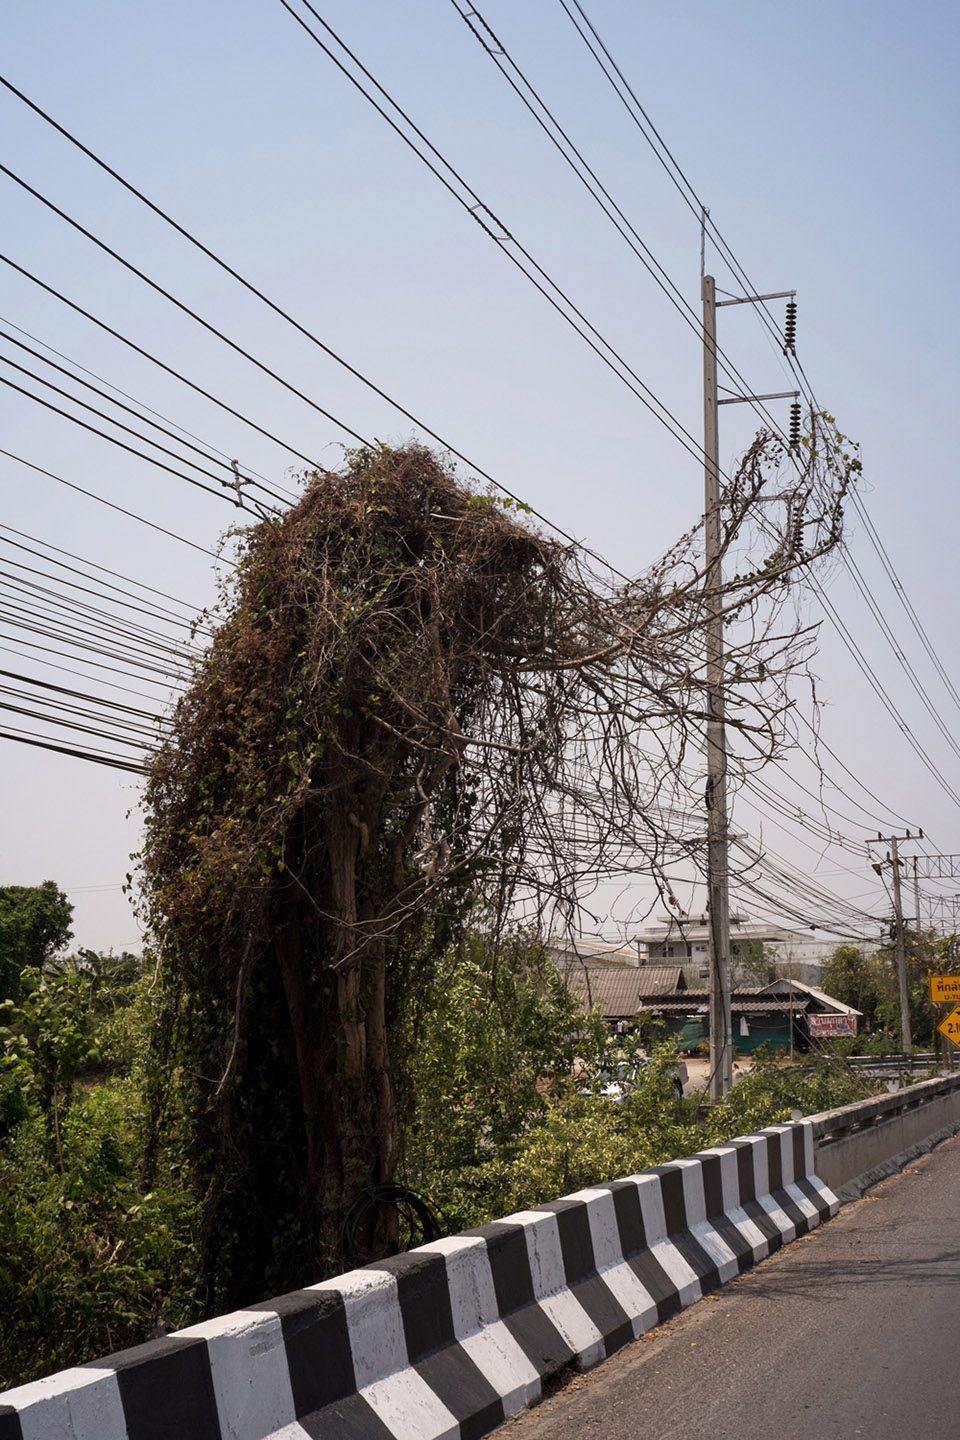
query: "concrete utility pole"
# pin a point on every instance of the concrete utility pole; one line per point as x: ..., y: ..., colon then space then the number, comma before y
x: 718, y: 832
x: 718, y: 889
x: 916, y: 893
x: 900, y: 937
x: 906, y: 1040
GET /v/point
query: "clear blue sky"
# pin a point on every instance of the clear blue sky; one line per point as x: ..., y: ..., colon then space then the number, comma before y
x: 823, y: 137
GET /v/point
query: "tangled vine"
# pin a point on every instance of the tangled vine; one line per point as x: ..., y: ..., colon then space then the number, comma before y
x: 418, y: 711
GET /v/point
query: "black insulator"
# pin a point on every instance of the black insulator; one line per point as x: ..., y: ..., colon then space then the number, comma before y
x: 790, y: 328
x: 795, y: 425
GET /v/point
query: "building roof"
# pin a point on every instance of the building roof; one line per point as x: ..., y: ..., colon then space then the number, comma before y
x: 572, y: 952
x: 694, y: 1003
x: 620, y: 991
x: 820, y: 997
x: 697, y: 928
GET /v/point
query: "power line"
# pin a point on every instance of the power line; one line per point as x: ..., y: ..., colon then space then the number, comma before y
x: 236, y: 478
x: 654, y: 139
x: 69, y: 360
x: 112, y: 622
x: 560, y: 138
x: 220, y: 494
x: 904, y: 599
x: 91, y: 565
x: 131, y: 514
x: 98, y: 757
x: 180, y: 304
x: 253, y: 289
x: 545, y: 284
x: 154, y: 360
x: 83, y: 674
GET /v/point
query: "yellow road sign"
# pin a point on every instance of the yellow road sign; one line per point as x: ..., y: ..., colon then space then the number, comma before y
x: 950, y: 1026
x: 944, y: 989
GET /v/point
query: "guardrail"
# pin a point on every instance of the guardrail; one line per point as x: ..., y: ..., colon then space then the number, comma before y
x: 447, y: 1341
x: 858, y: 1143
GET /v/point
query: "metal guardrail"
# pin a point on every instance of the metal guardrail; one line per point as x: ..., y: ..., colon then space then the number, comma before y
x: 919, y: 1060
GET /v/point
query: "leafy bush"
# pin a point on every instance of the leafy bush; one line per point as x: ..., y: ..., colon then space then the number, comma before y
x: 770, y: 1092
x: 92, y: 1257
x: 89, y: 1263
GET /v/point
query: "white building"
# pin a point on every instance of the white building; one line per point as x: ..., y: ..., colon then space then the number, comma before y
x: 798, y: 953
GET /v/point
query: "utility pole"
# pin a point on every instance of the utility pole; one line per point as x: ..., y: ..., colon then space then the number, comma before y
x: 718, y: 886
x: 906, y: 1040
x: 916, y: 893
x: 718, y: 833
x: 900, y: 946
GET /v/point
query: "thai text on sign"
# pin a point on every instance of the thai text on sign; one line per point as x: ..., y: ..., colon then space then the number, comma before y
x: 823, y: 1025
x: 944, y: 989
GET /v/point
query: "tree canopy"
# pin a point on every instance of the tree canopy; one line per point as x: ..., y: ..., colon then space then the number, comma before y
x: 34, y: 924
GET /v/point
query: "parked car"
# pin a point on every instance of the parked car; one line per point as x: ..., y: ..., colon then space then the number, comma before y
x: 616, y: 1082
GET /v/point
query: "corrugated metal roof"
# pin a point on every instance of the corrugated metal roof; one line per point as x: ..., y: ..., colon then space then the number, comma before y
x: 620, y: 991
x: 820, y: 996
x: 683, y: 1005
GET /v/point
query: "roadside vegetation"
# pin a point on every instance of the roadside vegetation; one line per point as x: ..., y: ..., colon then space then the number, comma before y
x: 101, y: 1212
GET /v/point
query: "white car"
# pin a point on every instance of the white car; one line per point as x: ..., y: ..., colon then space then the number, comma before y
x: 616, y: 1082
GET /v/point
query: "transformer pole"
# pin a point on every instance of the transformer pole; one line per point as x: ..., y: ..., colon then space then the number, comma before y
x: 718, y: 896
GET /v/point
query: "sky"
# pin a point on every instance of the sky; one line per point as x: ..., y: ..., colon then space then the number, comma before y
x: 823, y: 141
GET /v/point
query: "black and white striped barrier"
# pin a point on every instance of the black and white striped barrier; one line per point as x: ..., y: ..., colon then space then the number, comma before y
x: 450, y: 1339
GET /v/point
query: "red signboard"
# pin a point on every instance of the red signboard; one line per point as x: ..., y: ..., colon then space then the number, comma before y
x: 825, y: 1025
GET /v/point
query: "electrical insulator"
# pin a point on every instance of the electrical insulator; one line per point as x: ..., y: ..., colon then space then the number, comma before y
x: 795, y: 425
x: 790, y: 328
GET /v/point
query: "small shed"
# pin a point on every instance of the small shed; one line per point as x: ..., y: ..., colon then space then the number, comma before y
x: 758, y: 1020
x: 823, y: 1016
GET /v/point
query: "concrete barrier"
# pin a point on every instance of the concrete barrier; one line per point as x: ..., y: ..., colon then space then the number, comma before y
x: 858, y: 1144
x: 452, y: 1338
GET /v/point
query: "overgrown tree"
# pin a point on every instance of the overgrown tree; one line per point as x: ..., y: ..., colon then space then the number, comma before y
x: 419, y: 713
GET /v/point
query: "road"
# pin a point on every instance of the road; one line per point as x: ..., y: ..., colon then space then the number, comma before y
x: 853, y: 1330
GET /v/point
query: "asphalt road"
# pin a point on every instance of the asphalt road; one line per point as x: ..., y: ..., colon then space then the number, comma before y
x: 853, y: 1330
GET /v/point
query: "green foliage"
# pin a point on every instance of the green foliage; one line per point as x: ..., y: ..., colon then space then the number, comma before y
x: 754, y: 963
x: 858, y: 980
x: 34, y: 925
x: 927, y: 954
x: 46, y: 1040
x: 494, y: 1036
x: 508, y: 1082
x: 771, y: 1092
x: 89, y: 1261
x: 93, y: 1257
x: 101, y: 1239
x: 870, y: 984
x: 577, y: 1138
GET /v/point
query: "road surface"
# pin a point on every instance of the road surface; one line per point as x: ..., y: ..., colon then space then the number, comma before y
x: 853, y: 1330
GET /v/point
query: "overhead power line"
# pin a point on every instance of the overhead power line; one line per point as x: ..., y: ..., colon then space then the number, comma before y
x: 278, y: 309
x: 98, y: 757
x: 85, y: 569
x: 153, y: 359
x: 230, y: 483
x: 75, y: 365
x: 236, y: 499
x: 111, y: 505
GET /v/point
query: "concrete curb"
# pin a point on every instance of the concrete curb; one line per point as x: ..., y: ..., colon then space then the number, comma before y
x: 447, y: 1341
x: 858, y: 1186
